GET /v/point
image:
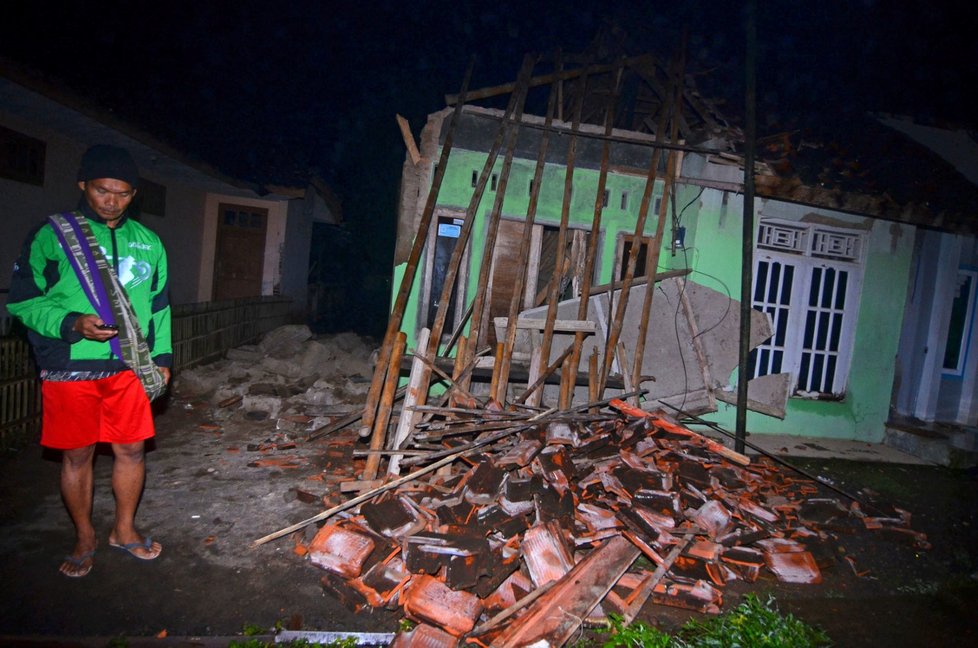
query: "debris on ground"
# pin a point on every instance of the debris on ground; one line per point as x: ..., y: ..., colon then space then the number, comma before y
x: 299, y: 381
x: 541, y: 520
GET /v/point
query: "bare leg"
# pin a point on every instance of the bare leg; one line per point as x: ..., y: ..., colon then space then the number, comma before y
x: 76, y: 490
x: 128, y: 475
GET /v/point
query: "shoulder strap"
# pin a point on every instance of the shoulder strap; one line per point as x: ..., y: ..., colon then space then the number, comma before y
x: 86, y: 259
x: 108, y: 298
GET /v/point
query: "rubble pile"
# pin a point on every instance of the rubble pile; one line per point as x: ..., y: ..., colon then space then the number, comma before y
x: 560, y: 517
x: 290, y: 376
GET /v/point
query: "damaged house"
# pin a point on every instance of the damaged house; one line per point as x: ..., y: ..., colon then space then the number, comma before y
x: 550, y: 268
x: 863, y: 280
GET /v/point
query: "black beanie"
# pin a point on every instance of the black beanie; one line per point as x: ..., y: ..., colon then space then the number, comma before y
x: 105, y: 161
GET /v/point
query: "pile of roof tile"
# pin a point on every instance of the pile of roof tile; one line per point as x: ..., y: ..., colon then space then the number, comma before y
x: 582, y: 514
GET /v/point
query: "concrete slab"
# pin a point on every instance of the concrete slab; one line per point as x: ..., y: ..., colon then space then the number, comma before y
x: 818, y: 448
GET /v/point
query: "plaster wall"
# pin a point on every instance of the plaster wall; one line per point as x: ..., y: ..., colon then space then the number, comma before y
x: 295, y: 263
x: 860, y: 415
x: 456, y: 192
x: 24, y: 206
x: 915, y: 339
x: 956, y: 397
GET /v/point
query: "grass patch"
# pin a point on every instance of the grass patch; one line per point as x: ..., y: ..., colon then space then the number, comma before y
x: 752, y: 624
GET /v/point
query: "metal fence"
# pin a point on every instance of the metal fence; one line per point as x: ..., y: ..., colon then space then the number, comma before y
x: 201, y: 333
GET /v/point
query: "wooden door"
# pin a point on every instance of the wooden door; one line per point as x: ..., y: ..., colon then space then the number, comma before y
x: 240, y: 253
x: 506, y: 262
x: 541, y: 265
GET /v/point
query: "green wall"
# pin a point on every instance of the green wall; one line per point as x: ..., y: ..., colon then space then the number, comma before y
x: 864, y: 410
x: 456, y: 193
x: 713, y: 250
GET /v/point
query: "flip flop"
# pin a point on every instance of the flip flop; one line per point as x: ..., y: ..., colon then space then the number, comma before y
x: 146, y: 544
x: 77, y: 562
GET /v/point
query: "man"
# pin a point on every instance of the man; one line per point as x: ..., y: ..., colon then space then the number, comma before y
x: 89, y: 394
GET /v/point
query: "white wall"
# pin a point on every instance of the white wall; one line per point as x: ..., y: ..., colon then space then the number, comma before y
x: 23, y: 206
x: 181, y: 230
x: 189, y: 226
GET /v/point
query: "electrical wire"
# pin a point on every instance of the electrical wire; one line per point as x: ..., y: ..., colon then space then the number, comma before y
x: 677, y: 220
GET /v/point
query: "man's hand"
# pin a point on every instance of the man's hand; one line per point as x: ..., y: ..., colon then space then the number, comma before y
x: 90, y: 326
x: 166, y: 374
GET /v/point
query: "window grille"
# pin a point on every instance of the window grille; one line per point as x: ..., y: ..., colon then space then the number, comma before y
x: 823, y: 330
x: 806, y: 279
x: 773, y: 283
x: 785, y: 238
x: 835, y: 245
x: 21, y: 157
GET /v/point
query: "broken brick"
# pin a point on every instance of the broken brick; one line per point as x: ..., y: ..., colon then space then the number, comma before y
x: 430, y: 600
x: 424, y: 636
x: 340, y: 551
x: 545, y: 554
x: 461, y: 559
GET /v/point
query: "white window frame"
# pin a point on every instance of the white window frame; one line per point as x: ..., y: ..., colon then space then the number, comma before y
x: 811, y: 250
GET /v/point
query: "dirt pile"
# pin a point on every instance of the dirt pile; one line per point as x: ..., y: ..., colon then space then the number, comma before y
x: 290, y: 376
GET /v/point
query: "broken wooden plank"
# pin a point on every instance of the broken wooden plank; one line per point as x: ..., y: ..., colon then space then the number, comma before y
x: 500, y: 618
x: 553, y: 294
x: 523, y: 269
x: 675, y: 428
x: 561, y: 326
x: 652, y: 261
x: 659, y: 276
x: 483, y: 285
x: 470, y: 447
x: 505, y: 88
x: 538, y: 383
x: 641, y: 595
x: 409, y: 418
x: 410, y: 270
x: 593, y: 241
x: 379, y: 434
x: 654, y: 246
x: 408, y: 137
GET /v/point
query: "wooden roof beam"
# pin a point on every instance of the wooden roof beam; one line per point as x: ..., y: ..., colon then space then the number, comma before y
x: 494, y: 91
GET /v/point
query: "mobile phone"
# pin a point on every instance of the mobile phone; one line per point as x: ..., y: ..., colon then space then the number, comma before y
x: 107, y: 327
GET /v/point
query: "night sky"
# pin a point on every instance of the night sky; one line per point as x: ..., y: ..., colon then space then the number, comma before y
x: 267, y: 91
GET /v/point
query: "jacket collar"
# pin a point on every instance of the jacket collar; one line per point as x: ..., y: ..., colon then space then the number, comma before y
x: 90, y: 214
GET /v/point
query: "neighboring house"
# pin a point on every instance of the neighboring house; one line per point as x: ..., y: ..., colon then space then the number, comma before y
x: 937, y: 376
x: 224, y: 239
x: 837, y: 264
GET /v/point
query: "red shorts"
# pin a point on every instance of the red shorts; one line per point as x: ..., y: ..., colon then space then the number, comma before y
x: 79, y: 413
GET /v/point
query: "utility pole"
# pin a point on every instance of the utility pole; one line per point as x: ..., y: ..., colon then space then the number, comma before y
x: 747, y: 254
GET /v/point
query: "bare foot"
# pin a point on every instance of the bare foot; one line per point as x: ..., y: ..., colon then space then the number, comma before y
x: 138, y: 547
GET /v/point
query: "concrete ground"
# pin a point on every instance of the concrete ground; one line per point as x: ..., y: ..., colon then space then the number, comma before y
x: 211, y: 490
x: 789, y: 447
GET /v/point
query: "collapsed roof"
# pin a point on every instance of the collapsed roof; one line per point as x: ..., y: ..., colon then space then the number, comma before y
x: 841, y: 161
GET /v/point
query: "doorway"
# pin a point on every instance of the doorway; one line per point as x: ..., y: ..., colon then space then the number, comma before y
x: 240, y: 251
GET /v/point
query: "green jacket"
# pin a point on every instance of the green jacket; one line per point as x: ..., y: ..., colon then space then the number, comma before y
x: 46, y: 296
